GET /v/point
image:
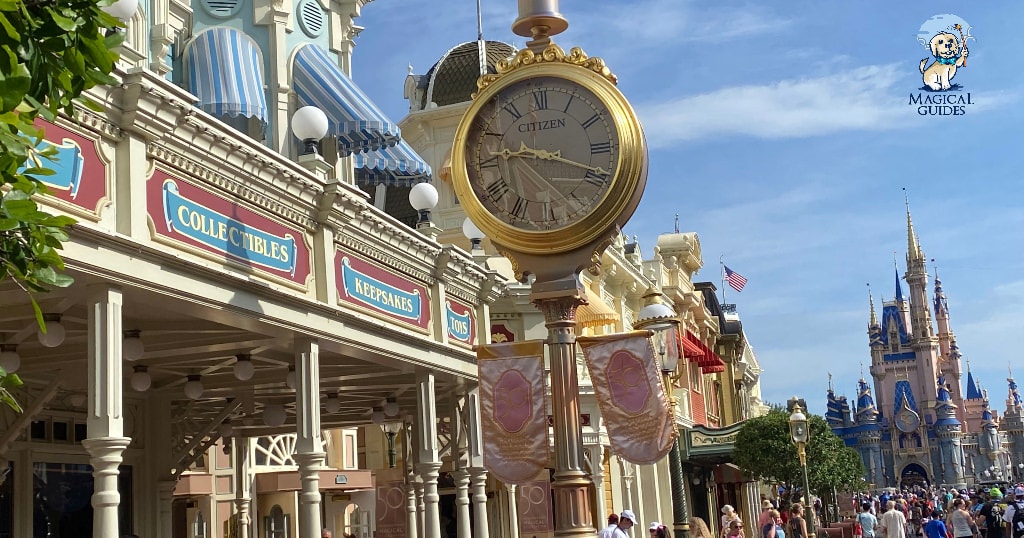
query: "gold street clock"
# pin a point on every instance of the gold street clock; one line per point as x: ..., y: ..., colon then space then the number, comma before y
x: 550, y: 156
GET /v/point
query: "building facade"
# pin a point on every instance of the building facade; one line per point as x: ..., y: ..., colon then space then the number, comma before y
x: 929, y: 424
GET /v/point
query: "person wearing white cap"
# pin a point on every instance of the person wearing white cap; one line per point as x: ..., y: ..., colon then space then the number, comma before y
x: 626, y: 521
x: 1015, y: 524
x: 653, y: 528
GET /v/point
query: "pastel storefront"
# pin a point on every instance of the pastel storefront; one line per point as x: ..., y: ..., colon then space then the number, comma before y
x: 250, y: 348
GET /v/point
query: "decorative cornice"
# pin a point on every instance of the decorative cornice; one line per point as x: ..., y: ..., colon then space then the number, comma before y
x: 187, y: 165
x: 377, y: 254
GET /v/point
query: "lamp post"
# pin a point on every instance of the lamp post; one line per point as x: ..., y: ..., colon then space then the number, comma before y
x: 391, y: 430
x: 800, y: 433
x: 657, y: 316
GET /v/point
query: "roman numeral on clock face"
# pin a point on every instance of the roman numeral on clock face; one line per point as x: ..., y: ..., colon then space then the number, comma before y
x: 511, y: 109
x: 498, y: 189
x: 519, y: 208
x: 540, y: 99
x: 595, y: 179
x: 590, y: 121
x: 600, y: 147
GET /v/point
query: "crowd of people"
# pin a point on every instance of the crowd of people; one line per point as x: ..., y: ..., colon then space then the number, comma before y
x: 942, y: 513
x: 993, y: 512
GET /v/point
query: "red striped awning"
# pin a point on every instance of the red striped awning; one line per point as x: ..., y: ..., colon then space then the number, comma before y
x: 708, y: 360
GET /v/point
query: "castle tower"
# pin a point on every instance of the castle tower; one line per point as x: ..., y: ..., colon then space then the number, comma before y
x: 950, y: 459
x: 1013, y: 427
x: 949, y: 352
x: 869, y: 434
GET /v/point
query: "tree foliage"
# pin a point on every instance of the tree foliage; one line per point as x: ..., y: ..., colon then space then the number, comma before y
x: 50, y: 52
x: 765, y: 450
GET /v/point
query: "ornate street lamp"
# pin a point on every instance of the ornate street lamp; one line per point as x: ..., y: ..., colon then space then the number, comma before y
x: 800, y: 432
x: 391, y: 430
x: 660, y: 318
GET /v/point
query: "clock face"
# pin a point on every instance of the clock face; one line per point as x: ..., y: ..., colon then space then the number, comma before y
x: 542, y: 153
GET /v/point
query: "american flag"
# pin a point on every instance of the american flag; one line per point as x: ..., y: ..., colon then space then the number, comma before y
x: 736, y: 280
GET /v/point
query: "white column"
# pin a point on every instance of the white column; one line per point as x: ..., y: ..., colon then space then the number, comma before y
x: 475, y: 460
x: 459, y: 472
x: 513, y: 510
x: 627, y: 483
x: 597, y: 464
x: 243, y: 485
x: 462, y: 502
x: 105, y: 440
x: 429, y: 463
x: 479, y: 480
x: 412, y: 521
x: 309, y: 452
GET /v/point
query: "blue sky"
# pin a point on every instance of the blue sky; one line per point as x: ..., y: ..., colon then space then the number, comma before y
x: 781, y: 133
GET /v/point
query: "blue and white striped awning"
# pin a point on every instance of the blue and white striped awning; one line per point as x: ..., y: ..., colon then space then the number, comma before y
x: 351, y: 115
x: 224, y: 68
x: 398, y: 166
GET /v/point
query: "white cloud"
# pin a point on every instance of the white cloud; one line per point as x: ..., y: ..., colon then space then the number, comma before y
x: 866, y: 98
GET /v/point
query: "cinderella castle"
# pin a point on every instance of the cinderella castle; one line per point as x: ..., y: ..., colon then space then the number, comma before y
x: 923, y: 429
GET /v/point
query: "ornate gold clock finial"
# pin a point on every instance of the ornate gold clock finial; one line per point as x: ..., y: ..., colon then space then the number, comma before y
x: 539, y: 20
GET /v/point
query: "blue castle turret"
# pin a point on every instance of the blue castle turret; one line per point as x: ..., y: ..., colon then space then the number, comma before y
x: 1013, y: 426
x: 948, y: 431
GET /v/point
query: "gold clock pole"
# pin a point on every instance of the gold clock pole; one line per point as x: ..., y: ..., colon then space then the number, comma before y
x: 558, y: 300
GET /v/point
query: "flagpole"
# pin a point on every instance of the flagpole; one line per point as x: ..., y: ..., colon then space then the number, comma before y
x: 722, y: 264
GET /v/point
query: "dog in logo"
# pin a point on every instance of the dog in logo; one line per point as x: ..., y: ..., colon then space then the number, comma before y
x: 949, y: 54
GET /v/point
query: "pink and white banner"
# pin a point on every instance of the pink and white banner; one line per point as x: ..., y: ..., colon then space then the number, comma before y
x: 512, y: 410
x: 627, y: 381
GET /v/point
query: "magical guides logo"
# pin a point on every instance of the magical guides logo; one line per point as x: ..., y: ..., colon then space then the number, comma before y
x: 945, y: 37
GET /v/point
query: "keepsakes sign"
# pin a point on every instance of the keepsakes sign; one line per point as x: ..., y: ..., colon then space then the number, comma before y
x: 187, y: 214
x: 461, y: 322
x: 372, y: 288
x: 80, y: 175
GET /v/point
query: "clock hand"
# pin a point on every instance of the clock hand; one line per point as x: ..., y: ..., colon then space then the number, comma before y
x: 526, y: 151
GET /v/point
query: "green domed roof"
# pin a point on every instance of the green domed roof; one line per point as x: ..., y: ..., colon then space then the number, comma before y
x: 453, y: 78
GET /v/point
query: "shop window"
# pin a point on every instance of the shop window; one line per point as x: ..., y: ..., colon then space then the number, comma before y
x: 276, y: 524
x: 199, y: 526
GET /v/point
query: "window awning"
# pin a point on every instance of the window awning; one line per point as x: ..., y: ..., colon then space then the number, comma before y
x: 397, y: 166
x: 595, y: 313
x: 225, y: 73
x: 351, y: 116
x: 708, y: 360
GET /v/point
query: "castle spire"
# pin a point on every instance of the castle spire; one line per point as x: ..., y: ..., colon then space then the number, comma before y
x: 871, y: 302
x: 899, y: 287
x: 913, y: 246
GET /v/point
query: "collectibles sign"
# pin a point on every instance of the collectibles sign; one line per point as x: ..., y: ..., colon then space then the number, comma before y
x: 366, y: 285
x: 461, y: 322
x: 188, y: 214
x: 80, y: 176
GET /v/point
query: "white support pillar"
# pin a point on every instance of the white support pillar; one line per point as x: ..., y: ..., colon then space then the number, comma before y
x: 105, y: 440
x: 475, y: 460
x: 597, y: 465
x: 627, y: 483
x: 513, y: 510
x: 462, y: 503
x: 459, y: 470
x: 243, y: 484
x: 429, y: 463
x: 309, y: 451
x: 412, y: 520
